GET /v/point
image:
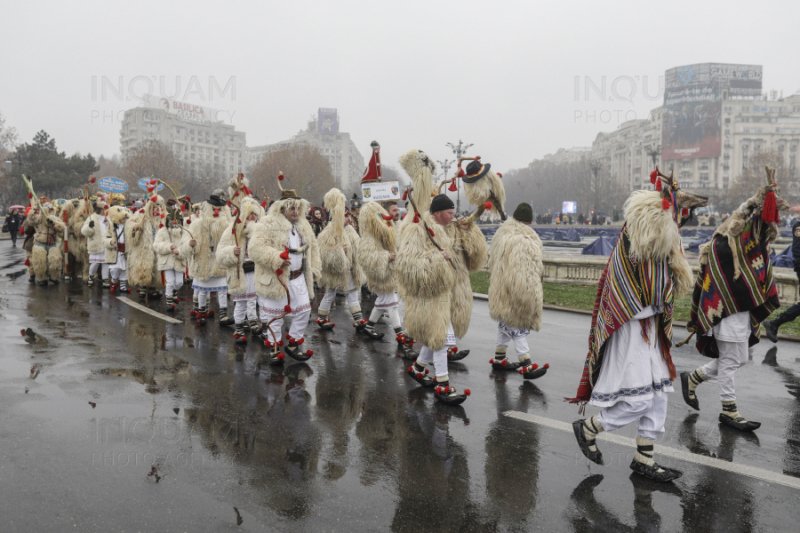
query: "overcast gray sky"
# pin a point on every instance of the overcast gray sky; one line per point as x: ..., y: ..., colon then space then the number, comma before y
x: 519, y: 79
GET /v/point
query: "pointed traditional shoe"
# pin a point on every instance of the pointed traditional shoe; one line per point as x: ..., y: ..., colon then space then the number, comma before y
x: 294, y: 351
x: 367, y: 330
x: 691, y: 402
x: 770, y: 330
x: 324, y: 324
x: 656, y: 472
x: 420, y: 376
x: 224, y: 318
x: 533, y: 371
x: 580, y: 436
x: 740, y: 423
x: 454, y: 354
x: 504, y: 364
x: 448, y: 395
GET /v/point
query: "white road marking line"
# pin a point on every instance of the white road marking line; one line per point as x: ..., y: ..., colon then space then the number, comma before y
x: 682, y: 455
x: 144, y: 309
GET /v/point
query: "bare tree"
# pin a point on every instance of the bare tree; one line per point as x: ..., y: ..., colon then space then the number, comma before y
x: 155, y: 159
x: 753, y: 176
x: 306, y: 170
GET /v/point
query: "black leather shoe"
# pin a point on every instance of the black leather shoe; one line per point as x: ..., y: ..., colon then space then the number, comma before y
x: 691, y: 402
x: 656, y: 472
x: 580, y: 436
x: 770, y: 330
x: 741, y: 423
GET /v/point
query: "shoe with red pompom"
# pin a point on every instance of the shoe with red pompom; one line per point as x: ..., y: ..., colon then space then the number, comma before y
x: 420, y: 374
x: 404, y: 340
x: 503, y: 364
x: 448, y: 395
x: 366, y: 329
x: 294, y: 350
x: 454, y: 354
x: 530, y: 370
x: 324, y: 324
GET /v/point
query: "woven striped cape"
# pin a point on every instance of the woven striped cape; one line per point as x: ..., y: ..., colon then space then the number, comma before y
x: 627, y: 286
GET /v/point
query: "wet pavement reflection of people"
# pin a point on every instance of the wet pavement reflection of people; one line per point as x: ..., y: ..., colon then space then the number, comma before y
x: 791, y: 458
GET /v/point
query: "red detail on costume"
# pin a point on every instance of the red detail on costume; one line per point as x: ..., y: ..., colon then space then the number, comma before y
x: 769, y: 211
x: 216, y: 212
x: 287, y: 308
x: 405, y: 195
x: 387, y: 217
x: 505, y: 361
x: 264, y: 204
x: 188, y: 221
x: 467, y: 392
x: 461, y: 173
x: 491, y: 360
x: 228, y: 202
x: 22, y: 332
x: 665, y: 204
x: 154, y: 199
x: 416, y: 218
x: 279, y: 272
x: 684, y: 212
x: 546, y: 366
x: 499, y: 175
x: 309, y: 353
x: 658, y: 186
x: 160, y: 226
x: 30, y: 196
x: 653, y: 176
x: 281, y: 176
x: 301, y: 341
x: 487, y: 205
x: 247, y: 191
x: 430, y: 232
x: 285, y: 254
x: 92, y: 179
x: 281, y: 357
x: 453, y: 187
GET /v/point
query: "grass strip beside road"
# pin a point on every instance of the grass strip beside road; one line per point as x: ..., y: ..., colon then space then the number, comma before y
x: 581, y: 298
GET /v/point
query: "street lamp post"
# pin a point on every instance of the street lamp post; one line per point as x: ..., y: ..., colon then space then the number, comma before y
x: 446, y: 164
x: 653, y: 152
x: 459, y: 150
x: 595, y: 168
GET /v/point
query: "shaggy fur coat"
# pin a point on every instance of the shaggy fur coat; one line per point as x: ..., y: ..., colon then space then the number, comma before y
x: 140, y: 232
x: 469, y: 255
x: 117, y: 216
x: 206, y: 230
x: 489, y: 187
x: 94, y: 234
x: 75, y: 213
x: 266, y: 242
x: 237, y: 232
x: 47, y: 262
x: 338, y: 247
x: 515, y: 270
x: 162, y: 246
x: 378, y: 242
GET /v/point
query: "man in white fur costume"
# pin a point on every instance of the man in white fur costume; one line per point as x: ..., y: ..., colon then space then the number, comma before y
x: 338, y: 246
x: 232, y: 254
x: 169, y: 259
x: 115, y: 249
x: 629, y: 367
x: 515, y: 291
x: 74, y: 214
x: 735, y: 291
x: 430, y: 279
x: 47, y: 256
x: 199, y: 248
x: 140, y: 232
x: 377, y: 254
x: 482, y: 184
x: 94, y: 229
x: 286, y: 256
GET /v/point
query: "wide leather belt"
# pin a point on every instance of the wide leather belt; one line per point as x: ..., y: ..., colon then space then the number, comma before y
x: 294, y: 274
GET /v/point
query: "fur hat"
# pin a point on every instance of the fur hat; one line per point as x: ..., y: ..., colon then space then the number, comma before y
x: 117, y: 214
x: 441, y: 202
x: 420, y: 167
x: 216, y: 200
x: 475, y: 171
x: 523, y: 213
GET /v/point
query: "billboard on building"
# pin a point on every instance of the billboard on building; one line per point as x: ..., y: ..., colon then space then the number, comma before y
x: 327, y: 121
x: 693, y: 96
x: 183, y: 110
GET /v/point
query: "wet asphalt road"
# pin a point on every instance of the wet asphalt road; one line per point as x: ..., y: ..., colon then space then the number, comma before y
x: 346, y: 442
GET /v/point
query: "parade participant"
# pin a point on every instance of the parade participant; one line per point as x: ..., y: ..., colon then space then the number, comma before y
x: 427, y: 276
x: 629, y: 367
x: 286, y: 257
x: 170, y: 261
x: 46, y: 255
x: 94, y: 229
x: 140, y: 232
x: 377, y: 252
x: 771, y: 326
x: 338, y: 246
x: 74, y: 214
x: 232, y: 255
x: 199, y: 249
x: 29, y: 230
x: 317, y: 220
x: 11, y: 225
x: 734, y: 292
x: 481, y: 184
x: 115, y: 248
x: 515, y: 291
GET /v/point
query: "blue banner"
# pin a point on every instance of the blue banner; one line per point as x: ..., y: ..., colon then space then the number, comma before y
x: 142, y: 183
x: 112, y: 184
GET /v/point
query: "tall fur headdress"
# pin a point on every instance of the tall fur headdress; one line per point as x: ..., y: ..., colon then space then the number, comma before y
x: 420, y: 168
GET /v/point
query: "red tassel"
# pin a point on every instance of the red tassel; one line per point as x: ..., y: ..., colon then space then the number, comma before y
x: 248, y: 192
x: 27, y: 262
x: 431, y: 233
x: 309, y: 353
x: 653, y: 176
x: 287, y: 308
x: 160, y: 226
x: 154, y: 199
x: 416, y: 218
x: 665, y: 204
x: 216, y: 212
x: 769, y: 210
x: 684, y: 212
x: 30, y: 196
x: 228, y: 203
x: 467, y: 392
x: 163, y: 216
x: 188, y: 221
x: 405, y: 195
x: 658, y: 185
x: 281, y: 176
x: 487, y: 205
x: 452, y: 187
x: 387, y: 217
x: 264, y: 204
x: 461, y: 173
x: 285, y: 254
x: 279, y: 272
